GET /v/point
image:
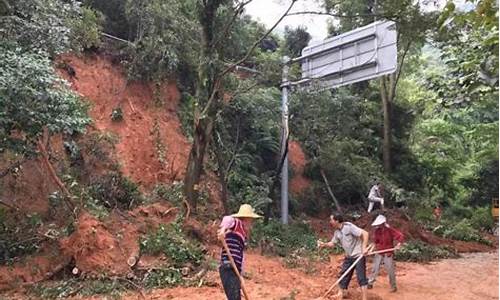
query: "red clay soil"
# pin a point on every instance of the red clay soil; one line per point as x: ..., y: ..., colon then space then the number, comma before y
x: 28, y: 188
x: 106, y: 248
x: 299, y: 182
x: 147, y: 126
x: 33, y: 269
x: 471, y: 277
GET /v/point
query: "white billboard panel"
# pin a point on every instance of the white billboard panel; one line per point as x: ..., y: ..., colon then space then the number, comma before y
x: 361, y: 54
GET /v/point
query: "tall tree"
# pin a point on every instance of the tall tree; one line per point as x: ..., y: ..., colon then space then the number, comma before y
x: 296, y: 39
x: 215, y: 26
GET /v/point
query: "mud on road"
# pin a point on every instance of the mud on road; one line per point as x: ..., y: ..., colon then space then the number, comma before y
x: 472, y: 276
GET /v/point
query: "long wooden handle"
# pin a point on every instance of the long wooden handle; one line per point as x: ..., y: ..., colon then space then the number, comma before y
x: 235, y: 268
x: 381, y: 251
x: 346, y: 272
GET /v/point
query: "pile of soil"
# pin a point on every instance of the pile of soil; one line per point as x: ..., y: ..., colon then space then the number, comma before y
x: 112, y: 247
x: 299, y: 183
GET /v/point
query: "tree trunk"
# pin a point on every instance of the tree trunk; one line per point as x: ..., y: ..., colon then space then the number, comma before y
x: 202, y: 134
x: 387, y: 87
x: 206, y: 96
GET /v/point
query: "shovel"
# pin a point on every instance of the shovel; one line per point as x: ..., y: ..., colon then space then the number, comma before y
x: 235, y: 269
x: 346, y: 272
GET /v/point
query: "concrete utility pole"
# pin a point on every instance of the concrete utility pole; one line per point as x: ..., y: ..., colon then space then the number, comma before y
x: 284, y: 141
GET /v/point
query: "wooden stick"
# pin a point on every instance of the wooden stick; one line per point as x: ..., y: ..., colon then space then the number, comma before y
x: 230, y: 256
x: 381, y: 251
x: 346, y: 272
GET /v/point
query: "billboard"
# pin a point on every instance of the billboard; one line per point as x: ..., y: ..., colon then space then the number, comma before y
x: 361, y: 54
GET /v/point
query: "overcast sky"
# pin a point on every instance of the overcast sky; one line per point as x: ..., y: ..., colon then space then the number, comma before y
x: 268, y: 11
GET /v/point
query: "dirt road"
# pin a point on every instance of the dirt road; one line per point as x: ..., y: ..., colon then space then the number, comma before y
x: 473, y: 276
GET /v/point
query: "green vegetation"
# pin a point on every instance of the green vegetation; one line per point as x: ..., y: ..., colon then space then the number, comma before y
x: 85, y: 288
x: 171, y: 241
x: 419, y: 251
x: 18, y: 236
x: 429, y: 131
x: 114, y: 190
x: 461, y: 230
x: 284, y: 239
x: 162, y: 278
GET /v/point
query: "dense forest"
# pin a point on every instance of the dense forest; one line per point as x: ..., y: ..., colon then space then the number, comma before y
x: 428, y: 132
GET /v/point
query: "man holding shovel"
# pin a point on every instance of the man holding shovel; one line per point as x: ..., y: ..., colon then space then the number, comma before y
x: 233, y: 234
x: 384, y: 237
x: 354, y: 241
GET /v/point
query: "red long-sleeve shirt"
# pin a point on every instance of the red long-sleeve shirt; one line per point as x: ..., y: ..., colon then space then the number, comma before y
x: 384, y: 237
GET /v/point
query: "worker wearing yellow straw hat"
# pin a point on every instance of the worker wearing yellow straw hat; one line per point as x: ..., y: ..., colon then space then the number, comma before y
x: 233, y: 233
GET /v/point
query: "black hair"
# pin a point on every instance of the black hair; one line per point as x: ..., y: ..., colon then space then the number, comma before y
x: 338, y: 217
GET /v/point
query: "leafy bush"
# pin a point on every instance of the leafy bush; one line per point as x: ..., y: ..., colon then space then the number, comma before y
x: 172, y: 193
x: 86, y: 30
x: 171, y: 241
x: 115, y: 190
x: 457, y: 212
x: 33, y: 97
x: 161, y: 278
x: 160, y: 38
x: 284, y: 238
x: 482, y: 219
x: 42, y: 25
x: 462, y: 231
x: 18, y: 236
x: 419, y: 251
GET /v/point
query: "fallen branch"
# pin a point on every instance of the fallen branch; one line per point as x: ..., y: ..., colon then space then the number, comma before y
x: 337, y: 204
x: 45, y: 160
x: 8, y: 205
x: 188, y: 209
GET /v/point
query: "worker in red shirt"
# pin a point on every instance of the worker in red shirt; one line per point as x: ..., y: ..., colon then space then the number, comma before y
x: 384, y: 237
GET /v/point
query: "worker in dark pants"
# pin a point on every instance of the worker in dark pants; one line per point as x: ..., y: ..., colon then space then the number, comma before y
x: 234, y: 231
x: 354, y: 241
